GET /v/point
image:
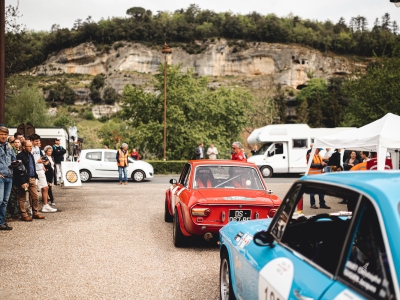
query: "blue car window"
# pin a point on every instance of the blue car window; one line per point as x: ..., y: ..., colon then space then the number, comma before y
x: 366, y: 267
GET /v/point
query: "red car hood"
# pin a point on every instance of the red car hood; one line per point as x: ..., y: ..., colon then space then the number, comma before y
x: 238, y: 196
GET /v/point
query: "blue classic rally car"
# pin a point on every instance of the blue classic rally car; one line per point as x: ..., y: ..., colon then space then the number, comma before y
x: 350, y: 254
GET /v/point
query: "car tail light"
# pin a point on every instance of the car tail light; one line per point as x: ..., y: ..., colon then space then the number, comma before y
x: 272, y: 213
x: 256, y: 215
x: 201, y: 212
x: 223, y: 216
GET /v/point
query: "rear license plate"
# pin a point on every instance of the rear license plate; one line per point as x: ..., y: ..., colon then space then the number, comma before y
x: 239, y: 215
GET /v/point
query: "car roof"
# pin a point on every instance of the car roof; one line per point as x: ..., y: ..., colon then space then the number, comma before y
x: 218, y: 162
x: 100, y: 149
x: 383, y: 186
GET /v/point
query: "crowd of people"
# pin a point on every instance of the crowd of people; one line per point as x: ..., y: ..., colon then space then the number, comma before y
x: 237, y: 152
x: 25, y: 171
x: 332, y: 161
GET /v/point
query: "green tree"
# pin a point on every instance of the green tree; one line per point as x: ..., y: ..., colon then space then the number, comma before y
x: 28, y: 106
x: 110, y: 95
x: 375, y: 93
x: 194, y: 113
x: 61, y: 92
x: 280, y: 104
x: 312, y: 99
x: 97, y: 83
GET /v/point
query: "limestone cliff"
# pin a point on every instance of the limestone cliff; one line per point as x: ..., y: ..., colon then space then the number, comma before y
x: 288, y: 64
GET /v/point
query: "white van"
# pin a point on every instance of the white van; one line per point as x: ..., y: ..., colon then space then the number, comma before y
x: 48, y: 135
x: 284, y: 146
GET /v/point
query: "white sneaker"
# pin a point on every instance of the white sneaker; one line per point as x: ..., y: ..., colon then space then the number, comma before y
x: 46, y: 208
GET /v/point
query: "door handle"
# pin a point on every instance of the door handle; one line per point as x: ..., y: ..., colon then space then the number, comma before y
x: 284, y: 157
x: 298, y: 296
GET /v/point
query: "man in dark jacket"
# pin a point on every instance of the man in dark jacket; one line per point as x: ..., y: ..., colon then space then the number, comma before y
x: 28, y: 183
x: 58, y: 154
x: 199, y: 151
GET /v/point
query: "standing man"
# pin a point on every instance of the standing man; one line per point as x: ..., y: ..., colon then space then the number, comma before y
x: 237, y: 153
x: 199, y: 151
x: 40, y: 169
x: 6, y: 176
x: 212, y: 152
x: 316, y: 168
x: 27, y: 183
x: 122, y: 162
x: 58, y: 154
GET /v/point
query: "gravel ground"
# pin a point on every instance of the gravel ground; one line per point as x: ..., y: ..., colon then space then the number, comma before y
x: 107, y: 242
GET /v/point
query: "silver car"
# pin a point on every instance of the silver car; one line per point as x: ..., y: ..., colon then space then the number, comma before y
x: 102, y: 163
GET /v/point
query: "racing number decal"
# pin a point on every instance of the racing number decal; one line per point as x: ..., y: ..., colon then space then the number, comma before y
x: 275, y: 280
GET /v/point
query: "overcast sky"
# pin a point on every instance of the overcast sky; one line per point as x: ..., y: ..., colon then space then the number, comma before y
x: 42, y: 14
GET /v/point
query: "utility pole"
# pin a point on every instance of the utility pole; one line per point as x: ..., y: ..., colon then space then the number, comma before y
x: 2, y: 60
x: 166, y: 50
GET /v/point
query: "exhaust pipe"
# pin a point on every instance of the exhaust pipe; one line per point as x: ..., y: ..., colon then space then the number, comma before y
x: 208, y: 236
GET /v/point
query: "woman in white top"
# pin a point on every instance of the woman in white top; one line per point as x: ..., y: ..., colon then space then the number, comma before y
x: 212, y: 152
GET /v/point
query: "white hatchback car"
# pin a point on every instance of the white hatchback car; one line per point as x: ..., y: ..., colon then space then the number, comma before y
x: 102, y: 163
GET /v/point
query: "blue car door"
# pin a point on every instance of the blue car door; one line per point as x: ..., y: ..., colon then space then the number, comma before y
x: 367, y: 268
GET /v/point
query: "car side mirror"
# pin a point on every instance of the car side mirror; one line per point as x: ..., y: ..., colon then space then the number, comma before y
x: 271, y: 153
x: 173, y: 181
x: 270, y: 192
x: 263, y: 238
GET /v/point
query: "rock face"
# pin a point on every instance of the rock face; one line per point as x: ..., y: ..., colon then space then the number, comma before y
x: 288, y: 64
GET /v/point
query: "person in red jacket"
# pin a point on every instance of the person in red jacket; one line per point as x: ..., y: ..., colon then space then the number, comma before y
x: 237, y: 153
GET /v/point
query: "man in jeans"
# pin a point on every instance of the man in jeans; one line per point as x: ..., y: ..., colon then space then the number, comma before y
x: 122, y: 162
x: 28, y: 183
x: 6, y: 175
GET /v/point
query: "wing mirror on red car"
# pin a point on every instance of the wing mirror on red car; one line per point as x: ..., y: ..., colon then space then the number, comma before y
x: 263, y: 238
x: 173, y: 181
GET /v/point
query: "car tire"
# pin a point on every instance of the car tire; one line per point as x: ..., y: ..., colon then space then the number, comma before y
x: 225, y: 282
x: 138, y: 176
x: 167, y: 216
x: 267, y: 171
x: 85, y: 175
x: 178, y: 237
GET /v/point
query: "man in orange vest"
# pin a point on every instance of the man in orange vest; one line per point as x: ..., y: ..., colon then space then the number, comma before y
x: 122, y: 162
x: 316, y: 168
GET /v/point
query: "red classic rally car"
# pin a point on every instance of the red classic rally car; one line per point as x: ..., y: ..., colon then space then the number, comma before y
x: 211, y: 193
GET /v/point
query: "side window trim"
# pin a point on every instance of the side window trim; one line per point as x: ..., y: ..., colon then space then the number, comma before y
x: 183, y: 174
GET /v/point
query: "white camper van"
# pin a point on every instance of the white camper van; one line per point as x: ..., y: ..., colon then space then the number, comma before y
x: 48, y: 135
x: 284, y: 146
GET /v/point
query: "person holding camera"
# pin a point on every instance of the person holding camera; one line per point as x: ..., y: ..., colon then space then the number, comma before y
x: 27, y: 183
x: 6, y: 176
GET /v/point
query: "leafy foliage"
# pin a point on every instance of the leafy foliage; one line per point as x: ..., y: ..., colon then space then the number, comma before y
x: 374, y: 94
x: 27, y: 106
x: 61, y: 92
x: 110, y: 95
x: 194, y: 114
x: 95, y: 86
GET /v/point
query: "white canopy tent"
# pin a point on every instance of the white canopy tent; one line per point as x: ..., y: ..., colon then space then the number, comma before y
x: 380, y: 136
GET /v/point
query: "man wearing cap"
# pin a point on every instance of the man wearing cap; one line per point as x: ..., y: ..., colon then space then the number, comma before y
x: 6, y: 175
x: 58, y: 154
x: 316, y: 167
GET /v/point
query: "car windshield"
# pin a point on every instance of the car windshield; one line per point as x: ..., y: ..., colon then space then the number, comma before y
x: 227, y: 177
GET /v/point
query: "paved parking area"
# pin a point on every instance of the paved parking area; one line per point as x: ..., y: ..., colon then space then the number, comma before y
x: 107, y: 242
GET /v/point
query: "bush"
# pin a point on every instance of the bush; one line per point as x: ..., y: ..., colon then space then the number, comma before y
x: 118, y: 45
x: 167, y: 167
x: 89, y: 116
